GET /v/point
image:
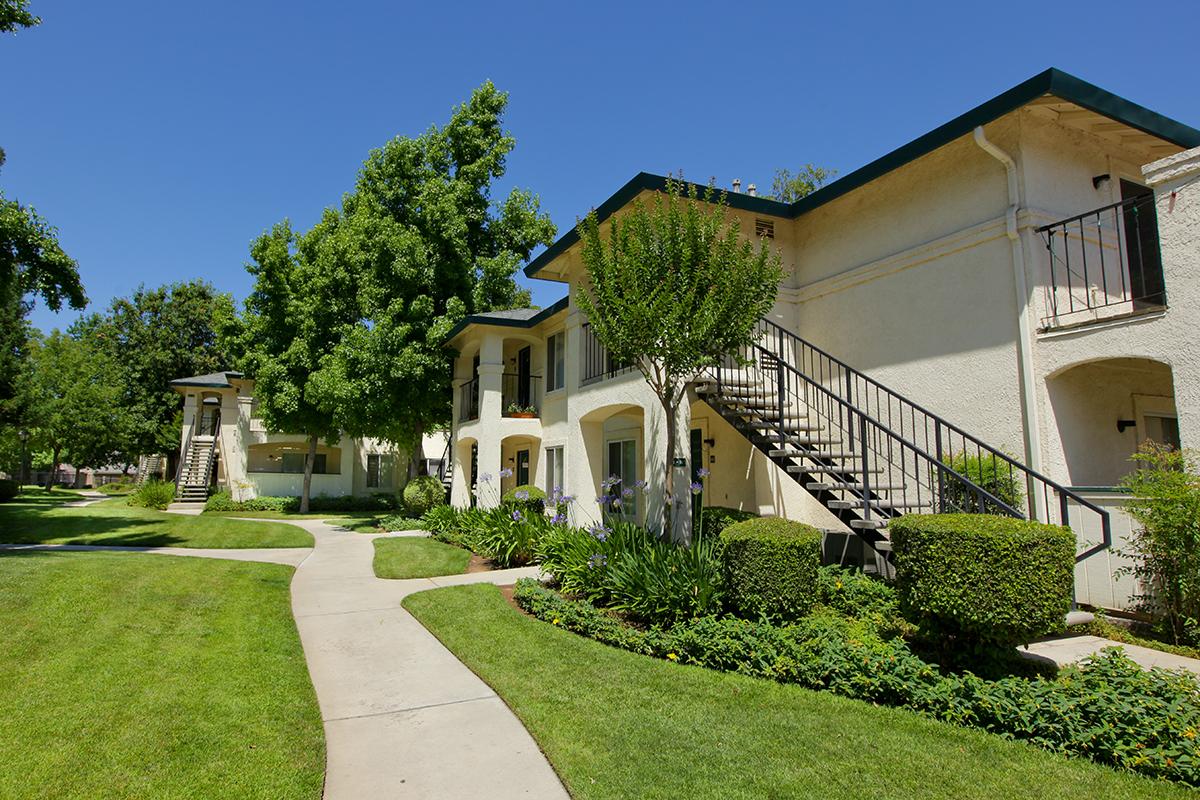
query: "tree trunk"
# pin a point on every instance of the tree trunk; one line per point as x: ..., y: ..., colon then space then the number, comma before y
x: 54, y: 465
x: 414, y: 458
x: 670, y: 407
x: 309, y: 461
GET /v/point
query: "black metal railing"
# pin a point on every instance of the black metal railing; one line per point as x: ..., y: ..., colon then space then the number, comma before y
x: 597, y: 364
x: 208, y: 424
x: 878, y: 450
x: 520, y: 395
x: 468, y: 400
x: 1104, y: 262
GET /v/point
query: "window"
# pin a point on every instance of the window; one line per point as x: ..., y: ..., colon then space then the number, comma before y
x: 554, y: 470
x: 294, y: 463
x: 1163, y: 430
x: 622, y: 464
x: 379, y: 470
x: 555, y: 366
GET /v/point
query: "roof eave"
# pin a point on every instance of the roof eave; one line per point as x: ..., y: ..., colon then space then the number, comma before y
x: 500, y: 322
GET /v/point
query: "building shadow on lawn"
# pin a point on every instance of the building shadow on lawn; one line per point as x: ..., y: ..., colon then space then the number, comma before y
x: 84, y: 528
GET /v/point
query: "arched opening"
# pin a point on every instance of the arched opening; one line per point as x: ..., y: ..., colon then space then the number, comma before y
x: 615, y: 441
x: 1104, y: 410
x: 465, y: 475
x: 519, y: 459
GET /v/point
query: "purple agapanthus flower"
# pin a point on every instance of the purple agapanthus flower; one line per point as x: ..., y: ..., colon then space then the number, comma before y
x: 567, y: 499
x: 522, y: 495
x: 627, y: 493
x: 558, y: 519
x: 599, y: 532
x: 486, y: 477
x: 641, y: 485
x: 506, y: 472
x: 703, y: 473
x: 517, y: 517
x: 697, y: 487
x: 597, y: 560
x: 616, y: 502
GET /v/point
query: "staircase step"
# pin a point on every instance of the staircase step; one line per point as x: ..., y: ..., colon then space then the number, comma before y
x: 853, y: 487
x: 804, y: 441
x: 834, y: 470
x: 873, y: 524
x: 881, y: 505
x: 767, y: 425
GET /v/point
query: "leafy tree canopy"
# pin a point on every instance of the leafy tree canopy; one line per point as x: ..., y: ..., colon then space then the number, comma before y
x: 154, y: 337
x: 673, y: 288
x: 15, y: 14
x: 788, y: 188
x: 72, y: 400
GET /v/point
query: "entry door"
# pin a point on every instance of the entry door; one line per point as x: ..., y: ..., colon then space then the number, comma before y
x: 524, y: 395
x: 1141, y: 246
x: 622, y: 462
x: 522, y: 468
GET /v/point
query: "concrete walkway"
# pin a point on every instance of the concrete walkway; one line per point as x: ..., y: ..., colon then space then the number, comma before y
x: 403, y: 717
x: 1072, y: 649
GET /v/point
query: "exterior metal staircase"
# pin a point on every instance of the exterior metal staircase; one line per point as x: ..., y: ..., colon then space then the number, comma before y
x: 867, y: 453
x: 149, y: 467
x: 195, y: 470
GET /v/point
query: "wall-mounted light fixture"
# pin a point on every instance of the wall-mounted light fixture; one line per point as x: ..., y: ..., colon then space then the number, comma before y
x: 1122, y: 424
x: 1099, y: 179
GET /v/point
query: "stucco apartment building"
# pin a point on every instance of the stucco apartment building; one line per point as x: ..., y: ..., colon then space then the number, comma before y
x: 1019, y: 284
x: 224, y: 444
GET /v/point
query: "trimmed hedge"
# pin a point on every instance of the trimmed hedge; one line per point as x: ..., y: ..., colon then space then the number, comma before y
x: 423, y: 493
x: 527, y: 498
x: 770, y: 567
x: 717, y: 518
x: 9, y: 489
x: 995, y: 581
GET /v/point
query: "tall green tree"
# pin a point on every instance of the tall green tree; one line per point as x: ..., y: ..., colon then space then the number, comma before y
x: 788, y: 188
x: 15, y: 14
x: 294, y: 319
x: 72, y: 401
x: 155, y: 336
x: 427, y: 244
x: 674, y: 288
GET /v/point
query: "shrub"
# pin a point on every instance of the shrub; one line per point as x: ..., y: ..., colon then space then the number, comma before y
x: 508, y: 536
x: 770, y: 567
x: 1107, y: 709
x: 423, y: 493
x: 153, y: 494
x: 223, y: 501
x: 347, y: 502
x: 717, y: 518
x: 117, y: 487
x: 526, y: 498
x: 1165, y: 502
x: 220, y: 501
x: 9, y: 489
x: 981, y: 580
x: 990, y: 473
x: 624, y: 567
x: 399, y: 522
x: 443, y: 522
x: 855, y: 594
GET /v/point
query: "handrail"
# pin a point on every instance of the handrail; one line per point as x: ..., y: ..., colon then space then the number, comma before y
x: 857, y: 405
x: 1128, y: 201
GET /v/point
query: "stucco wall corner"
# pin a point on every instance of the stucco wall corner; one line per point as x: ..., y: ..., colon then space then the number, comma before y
x: 1171, y: 169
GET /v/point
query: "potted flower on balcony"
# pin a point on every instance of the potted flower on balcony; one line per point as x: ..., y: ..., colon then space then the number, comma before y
x: 521, y: 412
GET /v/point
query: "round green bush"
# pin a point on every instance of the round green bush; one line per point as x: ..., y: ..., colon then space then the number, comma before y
x: 9, y: 489
x: 770, y: 567
x: 996, y: 581
x: 527, y: 497
x: 423, y: 493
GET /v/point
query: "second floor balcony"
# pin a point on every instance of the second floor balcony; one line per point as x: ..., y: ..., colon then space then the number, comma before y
x: 520, y: 397
x: 1103, y: 264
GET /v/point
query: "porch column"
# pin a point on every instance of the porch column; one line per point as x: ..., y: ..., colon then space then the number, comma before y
x: 1176, y: 184
x: 491, y: 380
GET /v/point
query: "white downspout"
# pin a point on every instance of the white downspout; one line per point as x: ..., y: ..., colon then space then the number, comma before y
x: 1033, y: 433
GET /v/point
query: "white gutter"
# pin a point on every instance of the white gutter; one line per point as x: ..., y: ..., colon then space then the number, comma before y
x: 1033, y: 433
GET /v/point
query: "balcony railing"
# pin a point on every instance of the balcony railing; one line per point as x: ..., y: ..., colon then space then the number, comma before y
x: 1104, y: 264
x: 597, y: 364
x: 468, y: 400
x: 520, y: 395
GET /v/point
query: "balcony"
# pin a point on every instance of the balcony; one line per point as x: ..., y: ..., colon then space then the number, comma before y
x: 468, y: 400
x: 1103, y: 264
x: 520, y: 395
x: 598, y: 365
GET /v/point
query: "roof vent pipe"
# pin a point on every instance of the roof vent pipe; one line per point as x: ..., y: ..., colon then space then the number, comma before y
x: 752, y: 190
x: 737, y: 185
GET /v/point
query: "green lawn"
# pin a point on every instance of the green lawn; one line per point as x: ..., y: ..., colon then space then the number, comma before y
x: 618, y: 725
x: 418, y: 557
x: 333, y: 517
x: 33, y: 519
x: 143, y: 676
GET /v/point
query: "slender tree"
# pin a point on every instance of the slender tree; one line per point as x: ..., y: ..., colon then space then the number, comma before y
x: 674, y: 288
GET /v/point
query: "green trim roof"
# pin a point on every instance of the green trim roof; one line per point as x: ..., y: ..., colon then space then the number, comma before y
x: 1051, y: 82
x: 213, y: 380
x: 515, y: 318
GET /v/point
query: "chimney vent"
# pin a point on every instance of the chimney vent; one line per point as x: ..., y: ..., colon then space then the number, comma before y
x: 737, y: 185
x: 752, y: 190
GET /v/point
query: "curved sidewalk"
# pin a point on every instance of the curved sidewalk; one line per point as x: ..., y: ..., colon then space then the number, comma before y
x: 403, y: 717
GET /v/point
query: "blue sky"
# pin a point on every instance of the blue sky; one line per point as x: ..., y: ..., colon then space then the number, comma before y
x: 161, y: 137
